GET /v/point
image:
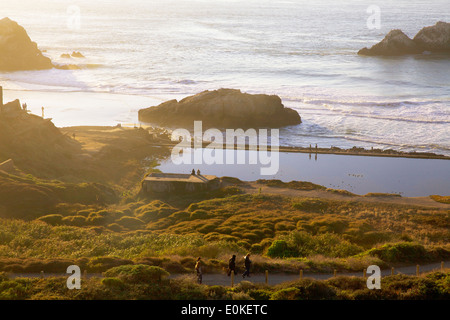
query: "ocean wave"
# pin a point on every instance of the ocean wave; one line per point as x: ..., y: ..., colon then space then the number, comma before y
x: 380, y: 104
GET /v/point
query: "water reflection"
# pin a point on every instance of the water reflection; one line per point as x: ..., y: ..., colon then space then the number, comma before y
x: 358, y: 174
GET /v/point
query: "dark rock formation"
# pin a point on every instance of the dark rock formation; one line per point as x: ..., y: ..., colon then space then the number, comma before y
x: 77, y: 54
x: 433, y: 39
x: 395, y: 43
x: 17, y: 51
x: 74, y: 54
x: 223, y: 108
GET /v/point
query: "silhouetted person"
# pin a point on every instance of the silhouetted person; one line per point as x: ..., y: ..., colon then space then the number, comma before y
x: 232, y: 265
x: 247, y: 264
x: 198, y: 172
x: 193, y: 172
x: 198, y: 270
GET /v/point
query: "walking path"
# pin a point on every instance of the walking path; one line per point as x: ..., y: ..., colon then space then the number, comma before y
x: 273, y: 278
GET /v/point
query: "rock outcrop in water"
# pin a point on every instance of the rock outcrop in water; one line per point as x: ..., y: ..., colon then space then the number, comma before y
x: 435, y: 38
x: 432, y: 39
x: 223, y: 108
x: 17, y: 51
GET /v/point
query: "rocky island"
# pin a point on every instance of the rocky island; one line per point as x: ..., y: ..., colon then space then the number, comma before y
x: 223, y: 108
x: 430, y: 39
x: 17, y: 51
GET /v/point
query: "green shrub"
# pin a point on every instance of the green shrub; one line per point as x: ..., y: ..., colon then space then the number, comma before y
x: 130, y: 222
x: 399, y: 252
x: 260, y: 294
x: 113, y: 283
x: 139, y: 273
x: 217, y: 292
x: 311, y: 205
x: 278, y: 248
x: 303, y: 244
x: 115, y: 227
x: 53, y: 219
x: 199, y: 214
x: 286, y: 294
x: 13, y: 290
x: 99, y: 264
x: 77, y: 221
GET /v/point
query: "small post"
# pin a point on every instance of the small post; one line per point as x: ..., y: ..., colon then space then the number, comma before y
x: 364, y: 273
x: 442, y: 266
x: 301, y: 274
x: 334, y: 273
x: 392, y: 271
x: 417, y: 270
x: 232, y: 279
x: 85, y: 274
x: 267, y: 276
x: 42, y: 274
x: 42, y: 112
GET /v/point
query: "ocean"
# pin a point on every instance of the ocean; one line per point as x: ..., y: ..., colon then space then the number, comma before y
x: 140, y: 53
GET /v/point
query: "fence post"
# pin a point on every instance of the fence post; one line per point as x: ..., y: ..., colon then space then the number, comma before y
x: 364, y: 273
x: 334, y: 273
x: 442, y: 266
x: 392, y: 271
x: 85, y: 274
x: 42, y: 274
x: 232, y: 279
x: 301, y: 274
x: 267, y: 276
x: 417, y: 270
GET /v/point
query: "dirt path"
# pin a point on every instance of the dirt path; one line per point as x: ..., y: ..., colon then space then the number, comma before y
x: 253, y: 187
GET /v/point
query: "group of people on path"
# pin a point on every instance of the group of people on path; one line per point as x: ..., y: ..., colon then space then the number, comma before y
x: 231, y: 267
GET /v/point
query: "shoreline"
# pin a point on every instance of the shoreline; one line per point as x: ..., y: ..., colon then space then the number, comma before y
x: 355, y: 151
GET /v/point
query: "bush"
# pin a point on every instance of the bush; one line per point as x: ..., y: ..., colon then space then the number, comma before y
x: 199, y: 214
x: 278, y: 248
x: 400, y: 252
x: 77, y: 221
x: 130, y: 222
x: 286, y: 294
x: 139, y: 273
x: 53, y: 219
x: 100, y: 264
x: 303, y: 244
x: 311, y: 205
x: 113, y: 283
x: 260, y: 294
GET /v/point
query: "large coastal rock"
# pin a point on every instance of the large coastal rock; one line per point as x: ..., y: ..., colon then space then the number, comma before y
x: 394, y: 43
x: 223, y: 108
x: 17, y: 51
x: 435, y: 38
x: 432, y: 39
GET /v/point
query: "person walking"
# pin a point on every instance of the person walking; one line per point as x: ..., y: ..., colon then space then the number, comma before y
x: 232, y: 265
x: 247, y: 264
x: 198, y: 270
